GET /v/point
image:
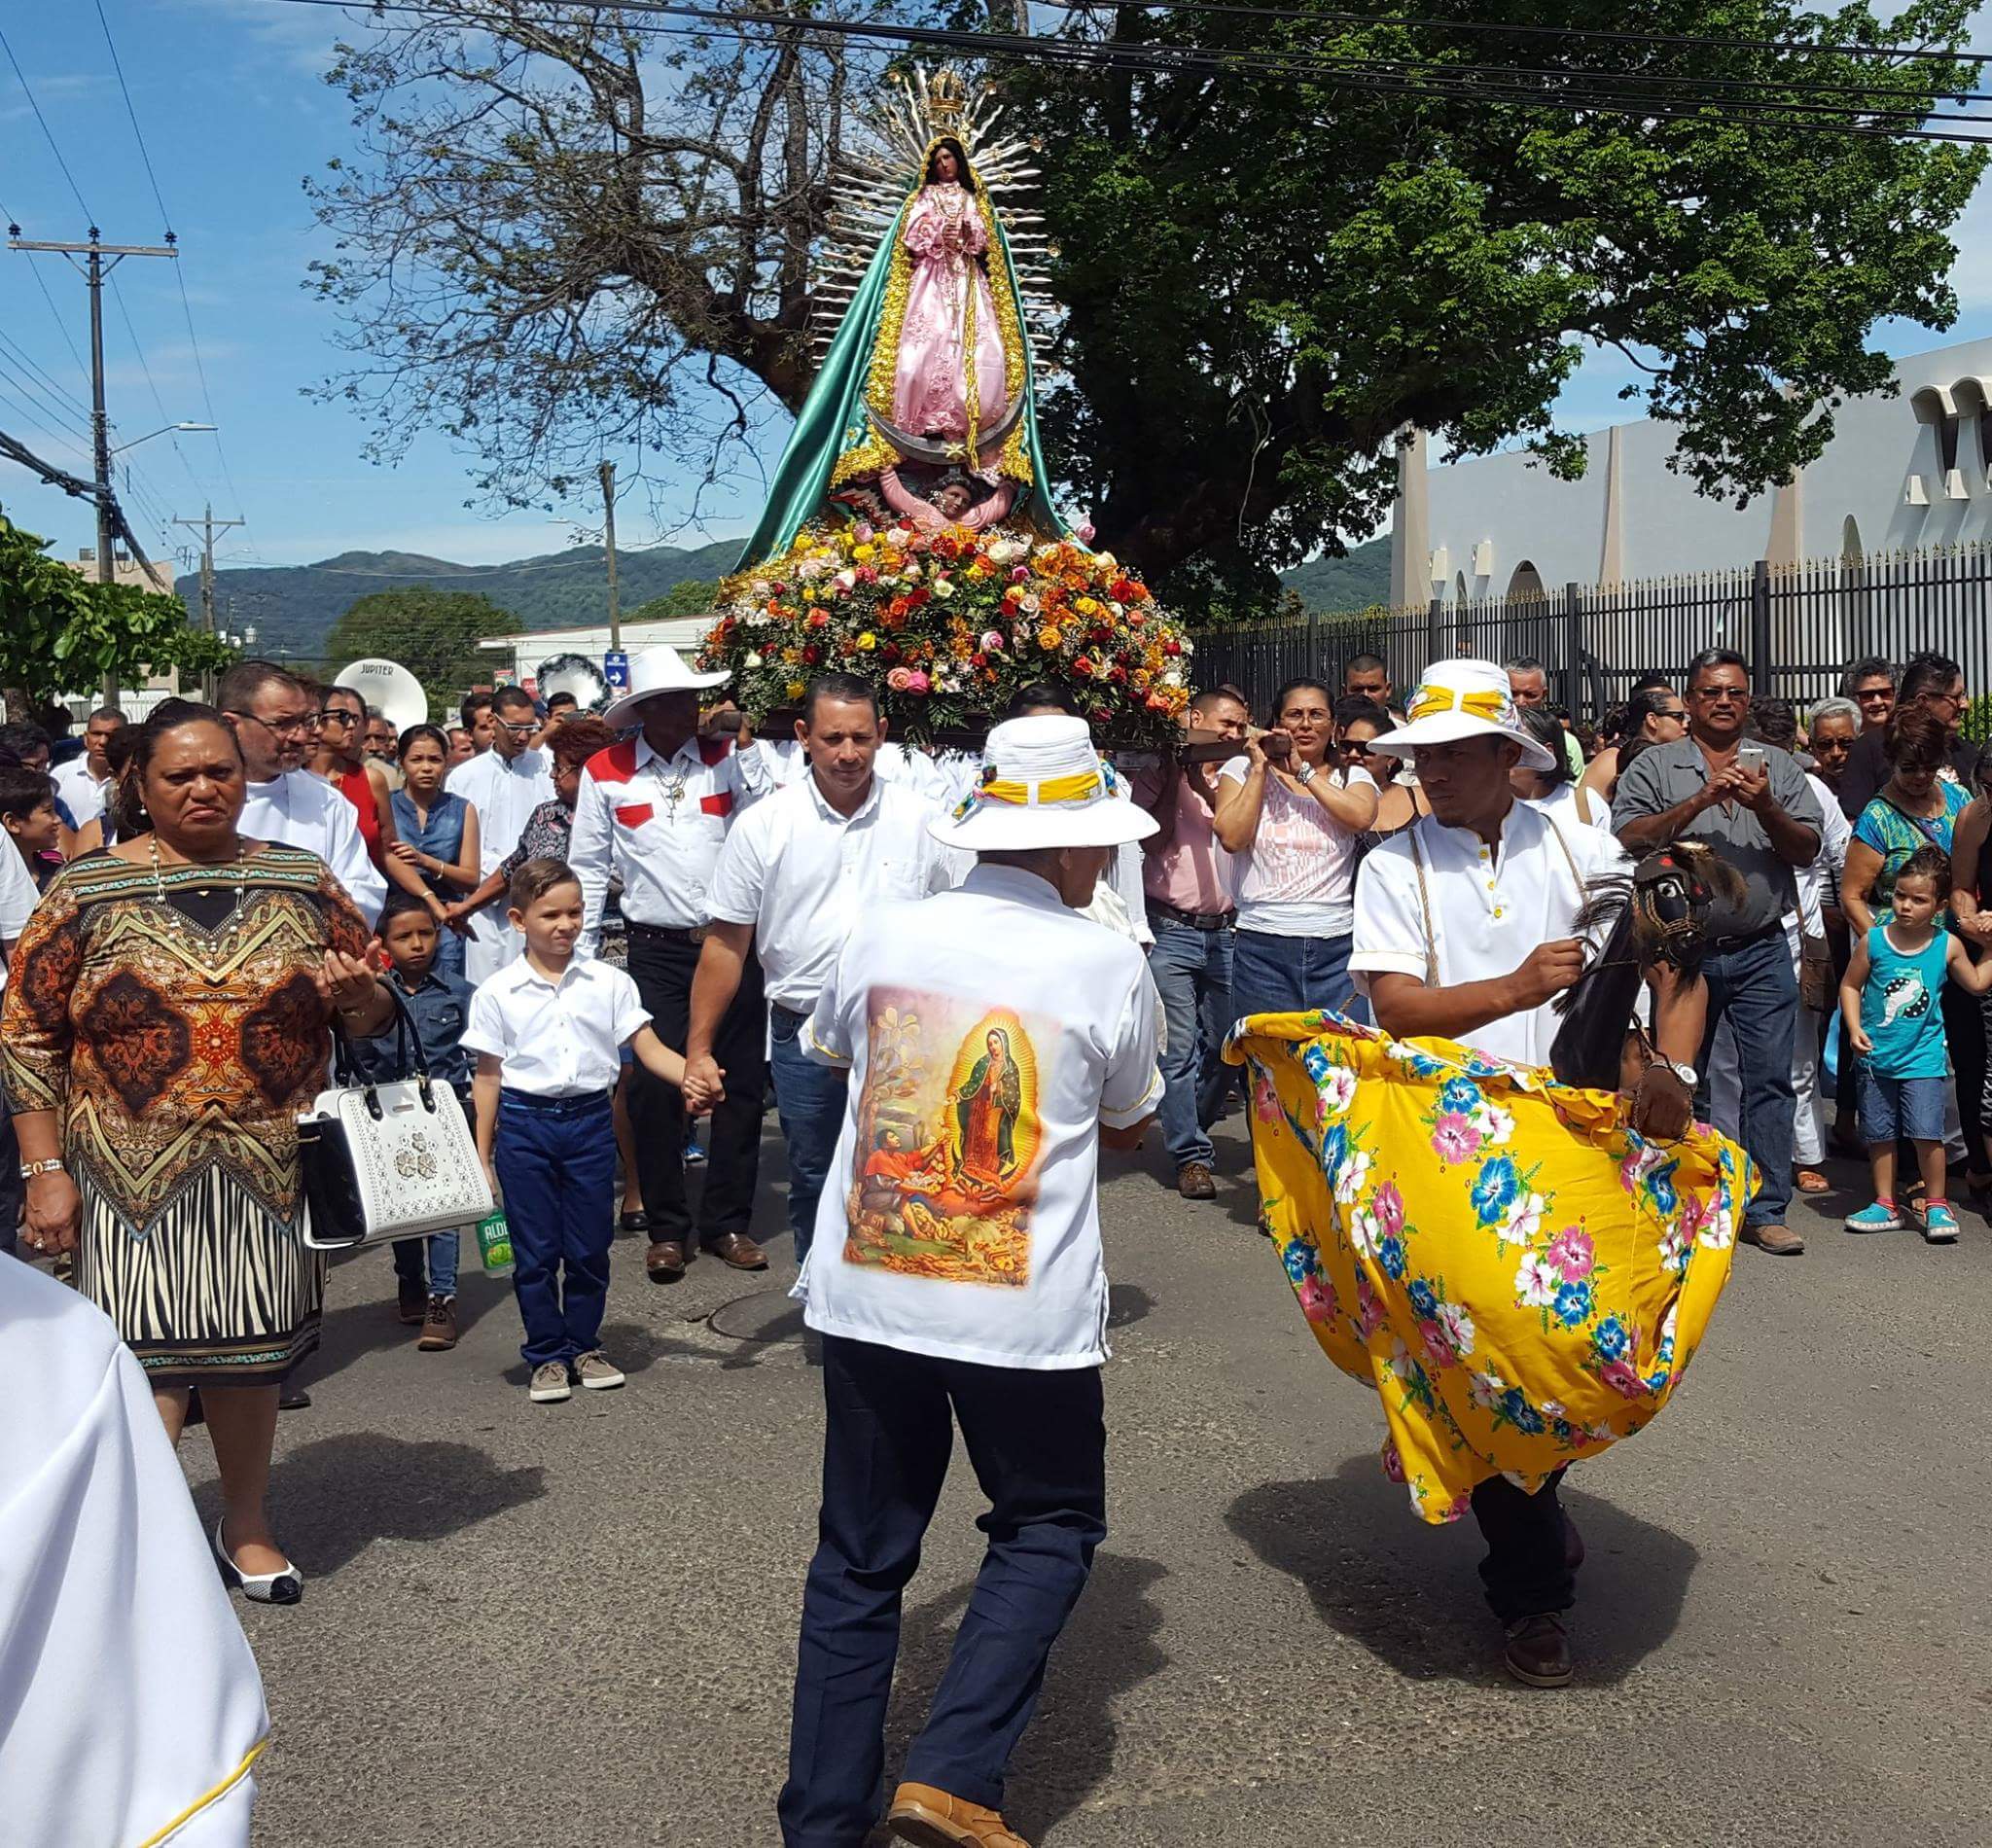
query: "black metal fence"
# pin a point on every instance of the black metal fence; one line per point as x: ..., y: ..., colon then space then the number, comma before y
x: 1798, y: 626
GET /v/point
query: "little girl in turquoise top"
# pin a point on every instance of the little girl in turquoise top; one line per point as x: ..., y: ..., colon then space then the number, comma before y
x: 1891, y: 1007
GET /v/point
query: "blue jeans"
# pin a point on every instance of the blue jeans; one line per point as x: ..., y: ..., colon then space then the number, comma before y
x: 1756, y: 988
x: 409, y: 1254
x: 809, y: 1101
x: 1192, y: 971
x: 556, y: 1159
x: 1289, y: 974
x: 1038, y: 1444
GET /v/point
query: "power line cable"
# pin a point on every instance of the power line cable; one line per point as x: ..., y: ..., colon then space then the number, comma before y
x: 131, y: 115
x: 50, y: 408
x: 49, y: 383
x: 144, y: 365
x: 26, y: 90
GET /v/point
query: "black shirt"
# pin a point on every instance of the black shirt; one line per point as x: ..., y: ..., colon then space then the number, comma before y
x: 1868, y: 770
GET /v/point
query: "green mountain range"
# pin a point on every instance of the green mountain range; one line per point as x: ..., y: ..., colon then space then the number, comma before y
x: 293, y: 607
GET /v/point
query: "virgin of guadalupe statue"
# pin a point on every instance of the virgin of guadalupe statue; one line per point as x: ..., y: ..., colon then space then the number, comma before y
x: 926, y: 389
x: 985, y: 1109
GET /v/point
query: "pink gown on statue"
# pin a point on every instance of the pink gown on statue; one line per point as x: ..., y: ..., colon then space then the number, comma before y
x: 929, y: 394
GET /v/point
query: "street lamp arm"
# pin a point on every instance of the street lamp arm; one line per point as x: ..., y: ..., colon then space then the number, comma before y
x: 163, y: 429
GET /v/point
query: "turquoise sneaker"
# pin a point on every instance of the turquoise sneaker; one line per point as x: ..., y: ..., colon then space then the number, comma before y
x: 1940, y: 1225
x: 1877, y: 1219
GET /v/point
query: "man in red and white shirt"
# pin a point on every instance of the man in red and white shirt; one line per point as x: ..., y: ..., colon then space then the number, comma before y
x: 653, y: 812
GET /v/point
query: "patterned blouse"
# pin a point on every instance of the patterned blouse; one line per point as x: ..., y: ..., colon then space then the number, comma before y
x: 169, y: 1015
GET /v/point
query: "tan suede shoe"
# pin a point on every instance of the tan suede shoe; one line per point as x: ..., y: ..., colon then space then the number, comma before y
x: 932, y: 1819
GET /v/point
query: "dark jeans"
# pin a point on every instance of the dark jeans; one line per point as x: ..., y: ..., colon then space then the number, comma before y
x: 1192, y: 974
x: 1757, y: 987
x: 663, y: 968
x: 1289, y: 974
x: 809, y: 1100
x: 1526, y: 1569
x: 556, y: 1159
x: 1038, y: 1444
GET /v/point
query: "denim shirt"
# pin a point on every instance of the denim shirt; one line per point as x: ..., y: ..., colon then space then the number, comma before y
x: 439, y: 1007
x: 443, y: 838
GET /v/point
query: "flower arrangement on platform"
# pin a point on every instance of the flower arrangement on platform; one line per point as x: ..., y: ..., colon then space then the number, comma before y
x: 950, y: 624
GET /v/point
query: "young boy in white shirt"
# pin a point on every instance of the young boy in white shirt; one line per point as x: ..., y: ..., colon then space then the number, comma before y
x: 549, y: 1032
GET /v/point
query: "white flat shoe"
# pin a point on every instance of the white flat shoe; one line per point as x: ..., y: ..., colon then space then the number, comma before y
x: 286, y: 1587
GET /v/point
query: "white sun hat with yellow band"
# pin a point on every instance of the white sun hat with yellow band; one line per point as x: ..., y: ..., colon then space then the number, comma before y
x: 1462, y: 698
x: 1042, y: 785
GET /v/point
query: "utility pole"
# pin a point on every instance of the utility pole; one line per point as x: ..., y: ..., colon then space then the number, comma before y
x: 206, y: 526
x: 609, y: 547
x: 95, y: 269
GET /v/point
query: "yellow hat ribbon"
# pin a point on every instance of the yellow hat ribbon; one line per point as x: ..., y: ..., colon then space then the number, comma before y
x: 1495, y: 707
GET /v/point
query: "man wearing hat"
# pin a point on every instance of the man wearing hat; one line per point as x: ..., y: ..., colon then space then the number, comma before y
x: 994, y: 1038
x: 654, y: 811
x: 1466, y: 930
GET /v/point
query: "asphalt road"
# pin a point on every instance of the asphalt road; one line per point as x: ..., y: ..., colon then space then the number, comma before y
x: 574, y: 1626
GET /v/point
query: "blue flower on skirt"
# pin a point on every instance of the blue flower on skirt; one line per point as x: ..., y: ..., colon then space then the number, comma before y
x: 1519, y: 1412
x: 1300, y: 1260
x: 1494, y: 1188
x: 1610, y: 1338
x: 1424, y: 1065
x: 1335, y: 1148
x: 1659, y: 1186
x: 1314, y: 1061
x: 1461, y: 1094
x: 1392, y: 1256
x: 1573, y: 1305
x: 1423, y: 1300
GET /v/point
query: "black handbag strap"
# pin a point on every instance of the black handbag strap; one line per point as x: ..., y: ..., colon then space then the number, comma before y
x: 408, y: 1048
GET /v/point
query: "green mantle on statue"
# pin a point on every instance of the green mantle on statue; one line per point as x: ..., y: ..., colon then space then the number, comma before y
x: 833, y: 440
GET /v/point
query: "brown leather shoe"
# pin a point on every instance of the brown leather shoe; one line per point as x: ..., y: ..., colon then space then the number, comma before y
x: 739, y: 1251
x: 439, y: 1326
x: 1778, y: 1240
x: 665, y: 1260
x: 1538, y: 1652
x: 1194, y: 1182
x: 932, y: 1819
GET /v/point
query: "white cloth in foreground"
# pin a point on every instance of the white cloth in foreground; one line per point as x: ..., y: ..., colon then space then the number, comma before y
x: 130, y: 1709
x: 303, y: 810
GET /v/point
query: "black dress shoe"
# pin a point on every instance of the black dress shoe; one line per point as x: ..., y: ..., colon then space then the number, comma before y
x: 1537, y: 1651
x: 292, y: 1398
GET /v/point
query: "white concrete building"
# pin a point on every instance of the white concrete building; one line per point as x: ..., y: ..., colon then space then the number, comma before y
x: 1905, y: 473
x: 518, y: 657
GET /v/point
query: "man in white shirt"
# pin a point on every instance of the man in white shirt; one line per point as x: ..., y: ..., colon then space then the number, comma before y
x: 1466, y: 930
x: 503, y: 785
x: 994, y: 1038
x: 274, y: 721
x: 84, y: 782
x: 797, y: 874
x: 654, y: 811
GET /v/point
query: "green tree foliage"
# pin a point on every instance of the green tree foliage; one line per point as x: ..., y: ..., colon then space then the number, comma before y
x: 432, y: 633
x: 60, y: 632
x: 693, y: 598
x: 1268, y: 276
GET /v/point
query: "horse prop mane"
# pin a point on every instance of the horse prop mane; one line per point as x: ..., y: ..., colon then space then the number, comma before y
x: 1657, y: 913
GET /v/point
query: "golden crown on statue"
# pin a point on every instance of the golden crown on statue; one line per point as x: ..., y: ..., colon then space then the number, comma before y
x: 948, y: 98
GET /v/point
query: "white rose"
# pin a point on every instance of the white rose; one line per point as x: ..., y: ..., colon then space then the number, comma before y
x: 943, y: 589
x: 752, y: 660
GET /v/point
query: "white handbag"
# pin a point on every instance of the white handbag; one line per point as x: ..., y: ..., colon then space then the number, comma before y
x: 387, y: 1160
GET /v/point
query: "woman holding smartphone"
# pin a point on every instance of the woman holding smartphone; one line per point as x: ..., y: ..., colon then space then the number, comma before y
x: 1290, y: 817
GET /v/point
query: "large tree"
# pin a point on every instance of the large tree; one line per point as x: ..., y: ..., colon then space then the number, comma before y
x: 61, y: 633
x: 563, y: 228
x: 432, y: 633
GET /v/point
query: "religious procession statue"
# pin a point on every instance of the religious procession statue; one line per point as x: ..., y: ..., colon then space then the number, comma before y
x: 911, y: 532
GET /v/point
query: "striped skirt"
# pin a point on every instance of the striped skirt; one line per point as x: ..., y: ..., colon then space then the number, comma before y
x: 215, y: 1291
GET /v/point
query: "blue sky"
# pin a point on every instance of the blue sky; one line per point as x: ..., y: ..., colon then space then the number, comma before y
x: 229, y: 96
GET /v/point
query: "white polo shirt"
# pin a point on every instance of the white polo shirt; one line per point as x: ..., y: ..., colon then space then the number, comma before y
x: 559, y: 1039
x: 988, y: 1031
x: 802, y: 876
x: 80, y: 792
x: 18, y: 897
x: 657, y: 825
x: 303, y: 810
x: 504, y: 792
x: 1488, y: 911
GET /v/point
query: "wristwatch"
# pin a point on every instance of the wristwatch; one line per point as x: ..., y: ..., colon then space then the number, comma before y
x: 53, y: 1165
x: 1687, y: 1073
x: 1304, y: 775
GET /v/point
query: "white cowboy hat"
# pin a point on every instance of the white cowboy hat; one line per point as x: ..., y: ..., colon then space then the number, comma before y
x: 1042, y: 785
x: 652, y: 671
x: 1462, y: 698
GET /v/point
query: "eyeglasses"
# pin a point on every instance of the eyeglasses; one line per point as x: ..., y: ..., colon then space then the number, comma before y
x: 1672, y: 712
x: 1721, y: 696
x: 524, y: 730
x: 292, y: 727
x: 335, y: 715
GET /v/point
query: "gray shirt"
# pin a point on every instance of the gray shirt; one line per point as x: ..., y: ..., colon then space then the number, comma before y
x: 1669, y: 774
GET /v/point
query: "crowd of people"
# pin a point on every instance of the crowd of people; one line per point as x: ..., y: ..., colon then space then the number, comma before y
x: 958, y: 973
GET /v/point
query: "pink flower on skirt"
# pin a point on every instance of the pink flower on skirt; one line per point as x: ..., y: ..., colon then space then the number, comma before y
x: 1392, y: 1462
x: 1454, y: 1138
x: 1388, y: 1204
x: 1265, y: 1101
x: 1317, y: 1300
x: 1437, y: 1350
x: 1623, y: 1380
x: 1572, y: 1252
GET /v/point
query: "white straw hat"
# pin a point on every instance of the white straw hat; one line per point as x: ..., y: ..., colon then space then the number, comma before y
x: 1042, y: 785
x: 1462, y: 698
x: 652, y: 671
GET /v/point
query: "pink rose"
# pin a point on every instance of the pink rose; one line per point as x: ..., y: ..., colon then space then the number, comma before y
x: 1083, y: 532
x: 1389, y: 1208
x: 899, y: 679
x: 1572, y: 1252
x: 1623, y: 1380
x: 1317, y: 1300
x: 1020, y: 574
x: 917, y: 682
x: 863, y: 535
x: 992, y: 642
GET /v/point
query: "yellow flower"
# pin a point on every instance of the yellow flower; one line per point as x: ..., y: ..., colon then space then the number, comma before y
x: 867, y: 641
x: 1048, y: 638
x: 1087, y: 606
x: 791, y: 656
x: 864, y: 551
x: 794, y: 690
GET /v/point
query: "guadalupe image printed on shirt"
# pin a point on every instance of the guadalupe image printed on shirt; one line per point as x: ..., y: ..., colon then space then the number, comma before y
x: 946, y: 1167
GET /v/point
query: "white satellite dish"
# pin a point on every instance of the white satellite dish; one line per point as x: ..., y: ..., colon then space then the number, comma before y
x: 389, y: 686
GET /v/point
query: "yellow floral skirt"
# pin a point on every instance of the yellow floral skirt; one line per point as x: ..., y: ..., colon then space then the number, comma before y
x: 1521, y: 1277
